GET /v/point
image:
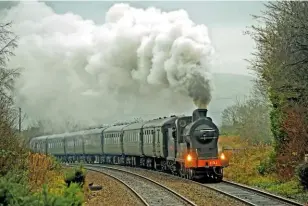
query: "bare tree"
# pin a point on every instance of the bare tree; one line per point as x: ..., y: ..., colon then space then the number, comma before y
x: 248, y: 118
x: 8, y: 42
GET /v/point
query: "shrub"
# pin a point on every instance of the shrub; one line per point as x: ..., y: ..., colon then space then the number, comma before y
x: 267, y: 165
x: 15, y: 191
x: 42, y: 169
x: 72, y: 196
x: 302, y: 172
x: 76, y: 175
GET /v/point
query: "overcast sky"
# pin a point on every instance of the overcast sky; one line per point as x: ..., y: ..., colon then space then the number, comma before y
x: 226, y: 20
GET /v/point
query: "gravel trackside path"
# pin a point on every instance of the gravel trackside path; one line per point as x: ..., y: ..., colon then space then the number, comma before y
x: 113, y: 193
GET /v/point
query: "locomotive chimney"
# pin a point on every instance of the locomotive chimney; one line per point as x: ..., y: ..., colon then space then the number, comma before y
x: 198, y: 113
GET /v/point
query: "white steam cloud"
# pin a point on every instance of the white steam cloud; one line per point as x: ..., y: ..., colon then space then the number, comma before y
x: 139, y: 62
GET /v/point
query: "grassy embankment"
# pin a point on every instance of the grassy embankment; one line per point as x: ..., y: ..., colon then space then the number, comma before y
x: 246, y: 168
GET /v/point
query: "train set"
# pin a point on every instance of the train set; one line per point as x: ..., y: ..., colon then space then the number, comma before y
x: 183, y: 145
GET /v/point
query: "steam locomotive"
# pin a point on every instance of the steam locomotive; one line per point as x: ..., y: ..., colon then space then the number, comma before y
x: 183, y: 145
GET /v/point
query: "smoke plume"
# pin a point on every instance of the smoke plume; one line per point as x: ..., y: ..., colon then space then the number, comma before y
x: 138, y: 63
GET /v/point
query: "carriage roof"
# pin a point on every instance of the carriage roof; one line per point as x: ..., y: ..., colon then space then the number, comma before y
x: 159, y: 122
x: 116, y: 128
x: 69, y: 134
x: 133, y: 126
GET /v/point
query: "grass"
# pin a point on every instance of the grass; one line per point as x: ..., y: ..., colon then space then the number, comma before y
x: 250, y: 164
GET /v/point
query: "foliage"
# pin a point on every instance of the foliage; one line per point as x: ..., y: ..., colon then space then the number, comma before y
x: 281, y: 62
x: 23, y: 174
x: 255, y: 166
x: 295, y: 143
x: 241, y: 169
x: 76, y: 175
x: 14, y: 190
x: 43, y: 169
x: 72, y: 196
x: 42, y: 184
x: 267, y: 165
x: 302, y: 172
x: 12, y: 152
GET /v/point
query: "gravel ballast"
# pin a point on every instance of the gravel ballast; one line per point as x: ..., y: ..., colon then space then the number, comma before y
x: 194, y: 192
x: 113, y: 192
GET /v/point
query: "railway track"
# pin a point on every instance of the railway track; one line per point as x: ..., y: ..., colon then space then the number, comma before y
x: 248, y: 195
x: 150, y: 192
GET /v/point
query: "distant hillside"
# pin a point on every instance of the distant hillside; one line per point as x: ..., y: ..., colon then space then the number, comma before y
x: 228, y: 88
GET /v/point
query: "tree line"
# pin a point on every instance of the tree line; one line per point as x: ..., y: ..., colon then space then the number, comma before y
x: 280, y: 61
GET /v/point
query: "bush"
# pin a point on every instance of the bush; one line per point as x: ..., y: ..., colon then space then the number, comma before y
x: 15, y: 191
x: 267, y: 165
x: 72, y: 196
x: 302, y: 172
x: 42, y: 169
x: 76, y: 175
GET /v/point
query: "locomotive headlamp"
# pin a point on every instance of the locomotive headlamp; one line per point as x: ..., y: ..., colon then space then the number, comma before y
x: 189, y: 158
x: 222, y: 156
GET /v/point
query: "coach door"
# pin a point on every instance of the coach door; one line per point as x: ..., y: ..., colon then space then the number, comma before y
x: 157, y: 140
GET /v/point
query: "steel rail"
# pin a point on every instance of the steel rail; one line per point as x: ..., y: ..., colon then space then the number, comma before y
x: 246, y: 194
x: 120, y: 181
x: 177, y: 195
